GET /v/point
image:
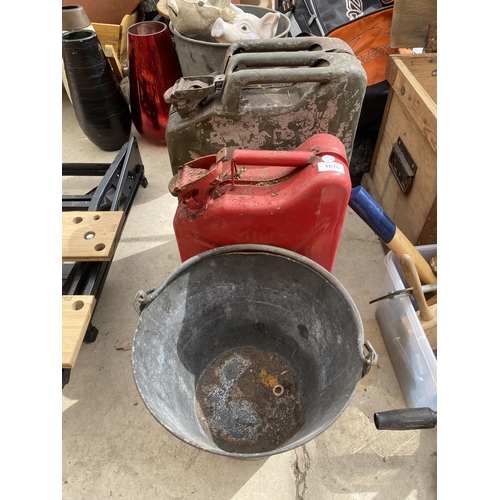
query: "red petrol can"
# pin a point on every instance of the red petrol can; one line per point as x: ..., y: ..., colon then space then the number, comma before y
x: 295, y: 200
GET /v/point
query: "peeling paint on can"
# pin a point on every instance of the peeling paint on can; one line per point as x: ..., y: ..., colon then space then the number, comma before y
x: 275, y: 94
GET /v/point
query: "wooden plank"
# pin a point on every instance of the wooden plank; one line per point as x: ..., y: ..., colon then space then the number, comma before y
x: 90, y: 236
x: 108, y: 34
x: 410, y: 22
x: 76, y: 315
x: 367, y: 183
x: 127, y: 21
x: 432, y: 38
x: 428, y: 235
x: 420, y: 69
x: 430, y: 327
x: 414, y: 80
x: 381, y: 130
x: 112, y: 56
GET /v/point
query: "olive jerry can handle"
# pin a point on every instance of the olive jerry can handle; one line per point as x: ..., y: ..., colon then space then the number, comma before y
x: 304, y: 62
x: 370, y: 359
x: 291, y: 45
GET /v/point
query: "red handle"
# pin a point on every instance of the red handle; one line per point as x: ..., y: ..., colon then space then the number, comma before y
x: 269, y: 159
x: 272, y: 158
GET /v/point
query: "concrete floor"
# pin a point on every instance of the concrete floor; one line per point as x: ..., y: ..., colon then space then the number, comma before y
x: 113, y: 447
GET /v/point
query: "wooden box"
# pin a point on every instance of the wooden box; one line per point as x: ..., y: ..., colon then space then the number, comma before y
x: 403, y: 172
x: 113, y: 38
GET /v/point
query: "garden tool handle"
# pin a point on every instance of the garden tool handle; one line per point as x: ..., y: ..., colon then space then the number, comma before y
x: 410, y: 271
x: 405, y: 419
x: 380, y: 223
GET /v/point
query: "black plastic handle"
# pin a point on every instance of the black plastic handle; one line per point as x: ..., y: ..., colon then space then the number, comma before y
x: 406, y: 419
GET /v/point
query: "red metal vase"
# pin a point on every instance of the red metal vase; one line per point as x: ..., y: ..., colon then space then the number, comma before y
x: 153, y: 69
x: 295, y: 200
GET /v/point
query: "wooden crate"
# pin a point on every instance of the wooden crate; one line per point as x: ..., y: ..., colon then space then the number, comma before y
x: 113, y: 38
x: 409, y: 123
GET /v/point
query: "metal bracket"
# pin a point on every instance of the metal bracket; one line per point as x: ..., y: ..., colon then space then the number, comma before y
x: 90, y: 334
x: 402, y: 166
x: 66, y: 373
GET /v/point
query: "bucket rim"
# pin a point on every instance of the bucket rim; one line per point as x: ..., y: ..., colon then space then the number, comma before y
x: 247, y: 8
x: 187, y: 39
x: 144, y: 298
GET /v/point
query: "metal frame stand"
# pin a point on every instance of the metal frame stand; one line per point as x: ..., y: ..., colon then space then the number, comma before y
x: 116, y: 192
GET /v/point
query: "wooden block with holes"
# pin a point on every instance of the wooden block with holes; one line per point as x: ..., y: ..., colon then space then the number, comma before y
x: 76, y: 315
x: 90, y: 236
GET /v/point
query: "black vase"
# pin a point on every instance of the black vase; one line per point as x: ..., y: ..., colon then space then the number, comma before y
x: 100, y: 106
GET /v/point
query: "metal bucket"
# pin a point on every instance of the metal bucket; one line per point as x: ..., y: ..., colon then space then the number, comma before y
x: 197, y: 57
x: 248, y: 351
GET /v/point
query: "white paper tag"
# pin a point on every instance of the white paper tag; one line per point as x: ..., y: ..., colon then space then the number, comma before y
x: 330, y: 166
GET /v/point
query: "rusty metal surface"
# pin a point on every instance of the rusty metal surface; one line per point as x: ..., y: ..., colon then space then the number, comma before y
x: 276, y: 94
x: 249, y: 401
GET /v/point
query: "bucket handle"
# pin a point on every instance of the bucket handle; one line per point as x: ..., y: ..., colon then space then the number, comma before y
x: 370, y: 359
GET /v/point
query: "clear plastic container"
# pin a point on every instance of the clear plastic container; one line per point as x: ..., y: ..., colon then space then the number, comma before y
x: 412, y: 357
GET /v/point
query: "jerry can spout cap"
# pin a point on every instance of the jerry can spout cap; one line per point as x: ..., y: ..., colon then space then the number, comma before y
x: 197, y: 178
x: 189, y: 92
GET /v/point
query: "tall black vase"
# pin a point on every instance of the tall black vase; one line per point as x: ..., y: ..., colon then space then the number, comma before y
x: 100, y: 106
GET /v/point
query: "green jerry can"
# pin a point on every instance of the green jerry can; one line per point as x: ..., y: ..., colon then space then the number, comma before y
x: 272, y: 94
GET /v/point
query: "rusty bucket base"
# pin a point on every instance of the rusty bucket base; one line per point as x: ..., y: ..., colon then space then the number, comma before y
x: 249, y: 401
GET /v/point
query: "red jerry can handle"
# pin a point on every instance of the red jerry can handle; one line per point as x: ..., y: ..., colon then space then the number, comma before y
x: 269, y: 159
x: 206, y: 173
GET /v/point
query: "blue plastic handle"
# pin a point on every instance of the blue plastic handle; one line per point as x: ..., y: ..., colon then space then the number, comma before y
x: 369, y: 210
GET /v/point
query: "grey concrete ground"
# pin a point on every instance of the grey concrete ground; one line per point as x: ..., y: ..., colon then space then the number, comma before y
x: 112, y: 447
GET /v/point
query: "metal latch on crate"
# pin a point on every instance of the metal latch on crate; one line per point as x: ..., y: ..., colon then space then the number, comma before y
x: 402, y: 165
